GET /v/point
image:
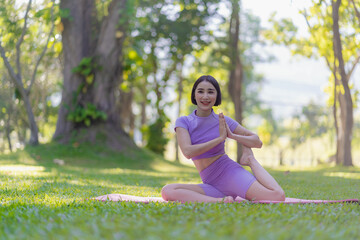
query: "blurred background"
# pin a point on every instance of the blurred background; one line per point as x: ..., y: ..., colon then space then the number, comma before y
x: 119, y: 73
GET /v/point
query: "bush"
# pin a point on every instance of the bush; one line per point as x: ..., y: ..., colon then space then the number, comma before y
x: 156, y: 139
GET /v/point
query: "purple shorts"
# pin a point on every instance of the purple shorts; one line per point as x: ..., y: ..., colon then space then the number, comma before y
x: 224, y: 177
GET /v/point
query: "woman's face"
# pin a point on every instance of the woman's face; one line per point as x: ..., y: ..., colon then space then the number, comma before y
x: 205, y: 95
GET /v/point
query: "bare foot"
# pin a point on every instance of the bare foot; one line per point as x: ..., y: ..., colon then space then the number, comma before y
x: 227, y: 199
x: 247, y: 156
x: 240, y: 199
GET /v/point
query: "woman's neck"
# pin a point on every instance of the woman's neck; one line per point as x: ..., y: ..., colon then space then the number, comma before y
x: 201, y: 113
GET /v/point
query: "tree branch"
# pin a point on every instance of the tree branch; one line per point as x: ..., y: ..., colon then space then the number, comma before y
x: 44, y: 50
x: 19, y: 42
x: 307, y: 21
x: 328, y: 63
x: 356, y: 10
x: 14, y: 77
x: 353, y: 68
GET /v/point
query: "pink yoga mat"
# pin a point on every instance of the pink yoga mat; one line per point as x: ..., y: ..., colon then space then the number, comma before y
x: 131, y: 198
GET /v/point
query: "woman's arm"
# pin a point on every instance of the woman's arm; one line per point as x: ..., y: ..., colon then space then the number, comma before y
x: 244, y: 136
x: 190, y: 150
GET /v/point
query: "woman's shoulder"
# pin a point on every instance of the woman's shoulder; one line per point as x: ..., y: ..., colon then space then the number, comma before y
x: 186, y: 119
x: 191, y: 116
x: 181, y: 119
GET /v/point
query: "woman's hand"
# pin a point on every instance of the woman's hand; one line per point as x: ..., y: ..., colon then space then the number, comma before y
x: 230, y: 134
x: 245, y: 137
x: 222, y: 127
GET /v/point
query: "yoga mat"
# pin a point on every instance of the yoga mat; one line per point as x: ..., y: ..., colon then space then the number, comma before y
x: 137, y: 199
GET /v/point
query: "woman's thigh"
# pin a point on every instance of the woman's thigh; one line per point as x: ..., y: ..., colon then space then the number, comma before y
x: 257, y: 192
x: 167, y: 189
x: 235, y: 182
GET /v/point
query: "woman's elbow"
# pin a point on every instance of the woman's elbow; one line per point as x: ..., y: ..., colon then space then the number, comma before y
x: 187, y: 154
x: 259, y: 143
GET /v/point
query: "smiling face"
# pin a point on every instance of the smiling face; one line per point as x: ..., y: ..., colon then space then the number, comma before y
x: 205, y: 96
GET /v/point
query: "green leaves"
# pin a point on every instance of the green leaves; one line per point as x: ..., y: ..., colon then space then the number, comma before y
x: 156, y: 138
x: 283, y: 31
x: 65, y: 13
x: 86, y: 66
x: 86, y: 115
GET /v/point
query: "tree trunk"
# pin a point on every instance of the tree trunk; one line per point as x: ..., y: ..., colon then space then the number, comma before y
x: 8, y: 130
x: 80, y: 41
x: 335, y: 114
x: 143, y: 111
x: 236, y: 69
x: 346, y: 105
x: 281, y: 157
x: 75, y: 38
x: 109, y: 50
x: 127, y: 116
x: 34, y: 131
x: 180, y: 91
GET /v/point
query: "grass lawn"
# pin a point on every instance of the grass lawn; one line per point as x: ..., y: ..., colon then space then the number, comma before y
x: 44, y: 200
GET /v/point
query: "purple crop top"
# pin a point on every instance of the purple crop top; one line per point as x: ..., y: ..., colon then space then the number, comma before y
x: 204, y: 129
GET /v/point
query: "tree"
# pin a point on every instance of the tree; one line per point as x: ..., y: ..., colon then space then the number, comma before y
x: 343, y: 151
x: 232, y: 55
x: 7, y: 111
x: 162, y: 37
x: 236, y: 68
x: 326, y: 19
x: 92, y: 48
x: 311, y: 122
x: 16, y: 74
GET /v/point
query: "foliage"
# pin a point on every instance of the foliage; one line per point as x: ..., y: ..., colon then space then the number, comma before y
x: 333, y: 35
x: 8, y: 112
x: 160, y: 38
x: 268, y: 130
x: 42, y: 200
x: 48, y: 71
x: 319, y: 42
x: 313, y: 121
x: 213, y: 59
x: 86, y: 68
x: 156, y: 138
x: 86, y: 115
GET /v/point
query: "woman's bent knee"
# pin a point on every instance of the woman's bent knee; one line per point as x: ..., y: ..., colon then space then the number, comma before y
x: 167, y: 190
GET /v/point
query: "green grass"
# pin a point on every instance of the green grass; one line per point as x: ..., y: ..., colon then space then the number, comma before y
x: 42, y: 200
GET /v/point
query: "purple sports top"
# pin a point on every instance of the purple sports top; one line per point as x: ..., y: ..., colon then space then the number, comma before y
x: 204, y: 129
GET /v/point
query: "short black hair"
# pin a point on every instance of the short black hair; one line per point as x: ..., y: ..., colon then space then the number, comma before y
x: 211, y: 80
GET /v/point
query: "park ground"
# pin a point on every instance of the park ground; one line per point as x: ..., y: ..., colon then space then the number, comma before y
x: 44, y: 192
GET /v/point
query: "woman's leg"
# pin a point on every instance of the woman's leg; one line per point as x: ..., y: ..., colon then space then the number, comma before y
x: 189, y: 193
x: 266, y: 187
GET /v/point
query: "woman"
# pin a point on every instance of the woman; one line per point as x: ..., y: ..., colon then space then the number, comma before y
x: 201, y: 136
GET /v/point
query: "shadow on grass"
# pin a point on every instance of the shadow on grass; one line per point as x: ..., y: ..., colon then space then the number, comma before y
x: 96, y: 167
x: 91, y: 156
x: 106, y: 171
